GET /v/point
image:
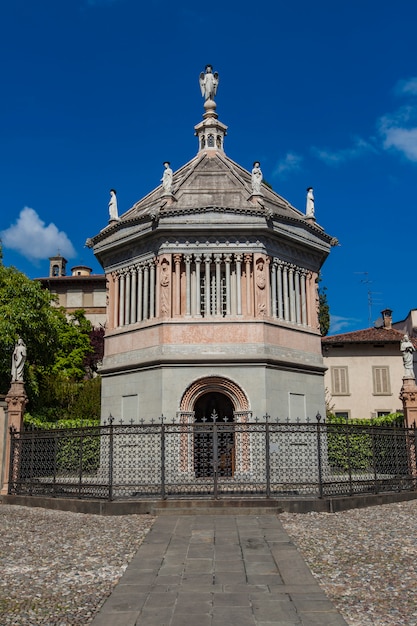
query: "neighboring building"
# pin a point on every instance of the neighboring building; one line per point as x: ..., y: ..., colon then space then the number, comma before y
x: 408, y: 325
x: 213, y: 304
x: 364, y: 370
x: 81, y: 290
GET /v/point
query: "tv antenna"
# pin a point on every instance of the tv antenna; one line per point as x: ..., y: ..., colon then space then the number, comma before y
x: 366, y: 281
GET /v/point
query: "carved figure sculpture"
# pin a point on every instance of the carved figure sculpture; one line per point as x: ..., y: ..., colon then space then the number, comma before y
x: 310, y: 202
x: 18, y: 361
x: 164, y: 282
x: 209, y: 83
x: 167, y: 178
x: 113, y: 205
x: 407, y: 349
x: 256, y: 178
x: 261, y: 283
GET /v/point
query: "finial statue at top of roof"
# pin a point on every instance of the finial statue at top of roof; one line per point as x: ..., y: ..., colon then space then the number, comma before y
x: 209, y: 83
x: 310, y: 202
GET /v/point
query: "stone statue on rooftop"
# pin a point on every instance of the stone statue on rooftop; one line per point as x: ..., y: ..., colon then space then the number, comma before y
x: 407, y: 349
x: 209, y: 83
x: 113, y: 205
x: 18, y: 361
x: 256, y: 178
x: 167, y: 178
x: 310, y: 202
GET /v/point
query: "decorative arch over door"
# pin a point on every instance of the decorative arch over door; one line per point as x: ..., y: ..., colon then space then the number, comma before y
x: 222, y: 393
x: 214, y: 384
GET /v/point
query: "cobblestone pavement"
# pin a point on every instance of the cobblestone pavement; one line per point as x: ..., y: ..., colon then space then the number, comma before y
x: 57, y: 568
x: 364, y: 559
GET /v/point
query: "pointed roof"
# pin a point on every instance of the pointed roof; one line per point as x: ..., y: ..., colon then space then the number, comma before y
x: 212, y: 183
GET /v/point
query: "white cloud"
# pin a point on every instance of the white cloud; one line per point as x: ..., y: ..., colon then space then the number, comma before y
x: 34, y: 240
x: 290, y: 163
x: 359, y: 148
x: 399, y: 131
x: 338, y: 323
x: 407, y: 87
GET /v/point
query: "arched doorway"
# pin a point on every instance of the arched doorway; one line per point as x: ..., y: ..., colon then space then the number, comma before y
x: 214, y: 436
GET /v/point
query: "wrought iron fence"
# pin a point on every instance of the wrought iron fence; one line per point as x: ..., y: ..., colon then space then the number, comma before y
x: 263, y: 458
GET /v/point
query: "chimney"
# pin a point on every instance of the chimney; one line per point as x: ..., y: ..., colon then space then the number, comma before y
x: 387, y: 317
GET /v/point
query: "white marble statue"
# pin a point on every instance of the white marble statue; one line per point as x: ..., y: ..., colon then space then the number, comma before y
x: 310, y: 202
x: 256, y: 178
x: 18, y: 361
x: 113, y: 205
x: 167, y: 178
x: 407, y: 349
x: 209, y: 83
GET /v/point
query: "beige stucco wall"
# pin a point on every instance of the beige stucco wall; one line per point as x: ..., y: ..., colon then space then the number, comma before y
x: 361, y: 402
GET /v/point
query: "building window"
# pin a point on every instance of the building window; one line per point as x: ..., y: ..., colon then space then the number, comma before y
x: 340, y: 382
x: 382, y: 413
x: 342, y: 414
x: 381, y: 381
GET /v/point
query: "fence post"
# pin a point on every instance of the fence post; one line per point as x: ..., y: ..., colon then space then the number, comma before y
x: 215, y: 458
x: 374, y: 460
x: 111, y: 434
x: 163, y: 493
x: 80, y: 465
x: 32, y: 457
x: 13, y: 473
x: 349, y: 458
x: 397, y: 463
x: 267, y: 460
x: 319, y: 460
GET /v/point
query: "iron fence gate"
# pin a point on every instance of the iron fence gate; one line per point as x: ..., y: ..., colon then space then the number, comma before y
x: 226, y: 459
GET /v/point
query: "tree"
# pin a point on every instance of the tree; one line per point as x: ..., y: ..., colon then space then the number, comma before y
x: 56, y: 346
x: 324, y: 311
x: 26, y: 311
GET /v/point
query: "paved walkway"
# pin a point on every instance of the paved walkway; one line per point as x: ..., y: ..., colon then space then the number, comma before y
x: 218, y: 570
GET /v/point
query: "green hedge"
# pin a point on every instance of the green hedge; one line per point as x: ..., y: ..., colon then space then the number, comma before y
x: 350, y: 444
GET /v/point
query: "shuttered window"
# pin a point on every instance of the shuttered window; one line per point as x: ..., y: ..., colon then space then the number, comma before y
x: 381, y: 381
x: 340, y: 383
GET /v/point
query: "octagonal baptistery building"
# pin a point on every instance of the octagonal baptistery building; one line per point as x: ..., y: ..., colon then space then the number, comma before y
x: 212, y: 297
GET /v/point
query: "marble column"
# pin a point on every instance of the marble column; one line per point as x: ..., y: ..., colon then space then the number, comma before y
x: 248, y: 261
x: 152, y: 289
x: 218, y: 288
x: 187, y: 259
x: 122, y: 299
x: 228, y: 261
x: 197, y: 260
x: 177, y: 301
x: 207, y: 294
x: 238, y: 260
x: 140, y: 293
x: 274, y: 288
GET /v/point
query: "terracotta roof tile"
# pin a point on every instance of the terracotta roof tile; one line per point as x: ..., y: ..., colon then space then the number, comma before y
x: 368, y: 335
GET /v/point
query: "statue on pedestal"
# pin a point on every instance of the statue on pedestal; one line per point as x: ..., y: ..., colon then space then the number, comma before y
x: 167, y: 178
x: 407, y: 349
x: 256, y: 178
x: 113, y: 205
x: 310, y: 202
x: 209, y: 83
x: 18, y: 361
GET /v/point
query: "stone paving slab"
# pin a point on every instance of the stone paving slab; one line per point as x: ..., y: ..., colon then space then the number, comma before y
x: 211, y: 570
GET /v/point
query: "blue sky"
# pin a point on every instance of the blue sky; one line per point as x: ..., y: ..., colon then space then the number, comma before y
x: 98, y: 93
